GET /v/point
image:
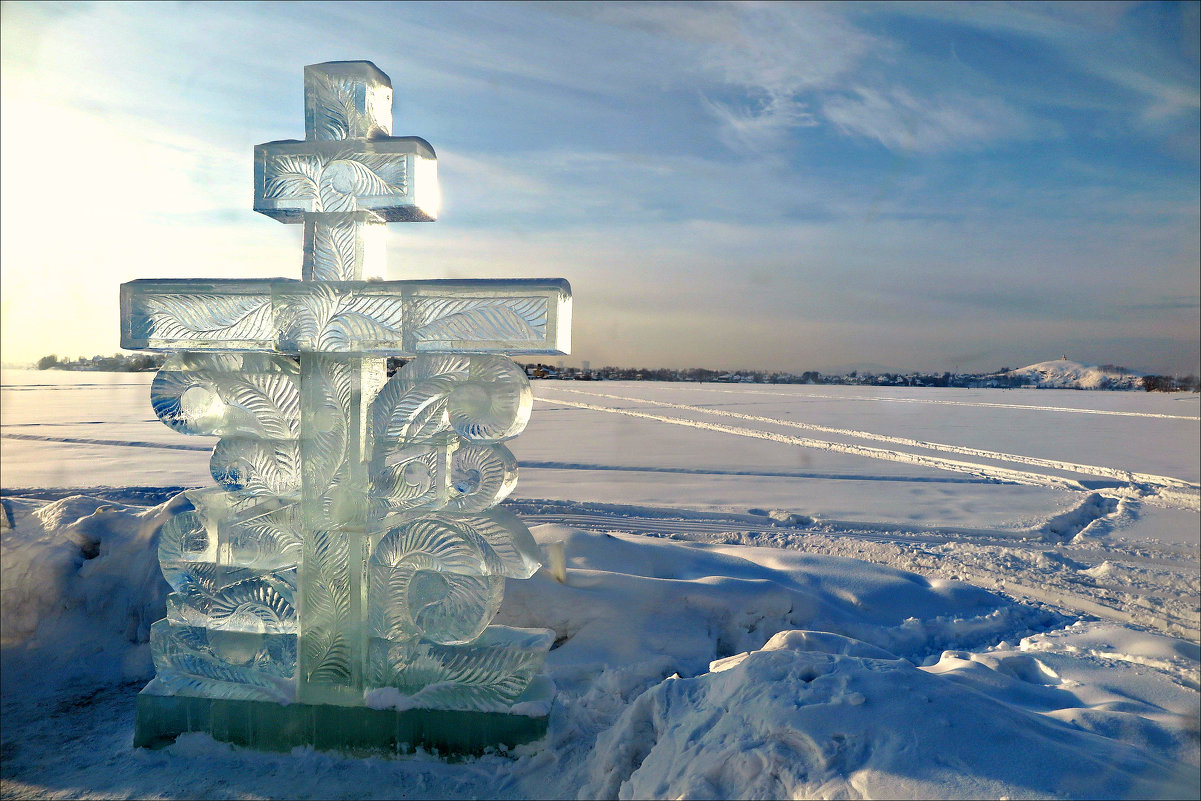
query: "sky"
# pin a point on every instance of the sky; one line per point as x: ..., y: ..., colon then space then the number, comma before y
x: 900, y: 186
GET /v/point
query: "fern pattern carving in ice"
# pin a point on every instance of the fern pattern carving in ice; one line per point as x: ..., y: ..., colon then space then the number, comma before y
x: 334, y: 481
x: 484, y: 675
x: 325, y: 318
x: 437, y: 573
x: 202, y: 317
x: 339, y: 247
x: 458, y: 319
x: 343, y: 107
x: 335, y: 182
x: 435, y: 468
x: 352, y: 317
x: 353, y: 541
x: 232, y: 559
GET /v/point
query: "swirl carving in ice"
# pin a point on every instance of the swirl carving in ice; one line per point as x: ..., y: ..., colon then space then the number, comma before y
x: 428, y: 580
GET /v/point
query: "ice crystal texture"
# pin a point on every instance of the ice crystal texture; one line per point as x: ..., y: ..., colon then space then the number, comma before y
x: 353, y: 542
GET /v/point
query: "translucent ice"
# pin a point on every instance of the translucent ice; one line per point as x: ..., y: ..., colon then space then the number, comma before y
x: 352, y: 317
x: 340, y: 246
x: 353, y: 543
x: 346, y: 100
x: 485, y: 675
x: 224, y: 664
x: 395, y: 178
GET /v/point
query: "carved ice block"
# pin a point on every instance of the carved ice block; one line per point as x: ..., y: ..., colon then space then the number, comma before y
x: 438, y: 424
x: 343, y: 246
x: 252, y: 401
x: 488, y: 674
x: 395, y: 318
x: 348, y: 161
x: 396, y: 178
x: 240, y: 533
x: 353, y: 545
x: 347, y: 100
x: 224, y: 664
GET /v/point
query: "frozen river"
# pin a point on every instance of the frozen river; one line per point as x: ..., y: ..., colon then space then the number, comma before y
x: 935, y: 457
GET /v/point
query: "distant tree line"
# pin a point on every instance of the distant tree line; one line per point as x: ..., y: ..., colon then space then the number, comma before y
x: 1170, y: 383
x: 1003, y: 378
x: 703, y: 374
x: 117, y: 363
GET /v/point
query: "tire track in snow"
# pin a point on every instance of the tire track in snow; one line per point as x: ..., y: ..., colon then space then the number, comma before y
x: 986, y: 471
x: 113, y: 442
x: 678, y: 522
x: 1094, y: 470
x: 701, y: 471
x: 891, y: 399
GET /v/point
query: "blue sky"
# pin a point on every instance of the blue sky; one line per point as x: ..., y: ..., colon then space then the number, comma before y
x: 779, y: 186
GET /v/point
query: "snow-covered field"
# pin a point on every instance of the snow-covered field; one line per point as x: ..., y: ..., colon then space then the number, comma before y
x: 772, y: 591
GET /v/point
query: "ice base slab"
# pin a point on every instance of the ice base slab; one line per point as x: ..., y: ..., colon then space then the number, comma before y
x: 268, y: 726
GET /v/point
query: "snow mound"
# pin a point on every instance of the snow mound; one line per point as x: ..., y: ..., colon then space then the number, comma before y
x: 677, y: 606
x: 1066, y: 374
x: 80, y: 586
x: 792, y: 720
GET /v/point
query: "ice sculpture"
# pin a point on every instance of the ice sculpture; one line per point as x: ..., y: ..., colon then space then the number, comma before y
x: 352, y: 552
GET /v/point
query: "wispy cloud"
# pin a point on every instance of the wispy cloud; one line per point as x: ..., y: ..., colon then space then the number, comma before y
x: 776, y: 55
x: 761, y: 125
x: 899, y: 120
x: 792, y: 67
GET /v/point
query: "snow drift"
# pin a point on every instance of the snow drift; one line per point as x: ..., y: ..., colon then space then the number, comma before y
x: 80, y: 586
x: 825, y: 717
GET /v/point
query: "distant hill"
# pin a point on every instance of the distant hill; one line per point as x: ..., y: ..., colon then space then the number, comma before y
x: 1066, y: 374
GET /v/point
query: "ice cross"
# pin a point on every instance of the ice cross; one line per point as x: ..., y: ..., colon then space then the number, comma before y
x: 353, y: 546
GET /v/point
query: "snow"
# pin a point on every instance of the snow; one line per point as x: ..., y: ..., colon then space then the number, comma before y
x: 80, y: 583
x: 809, y: 717
x: 755, y: 602
x: 1067, y: 374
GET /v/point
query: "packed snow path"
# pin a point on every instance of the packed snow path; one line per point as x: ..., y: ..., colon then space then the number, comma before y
x: 981, y: 405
